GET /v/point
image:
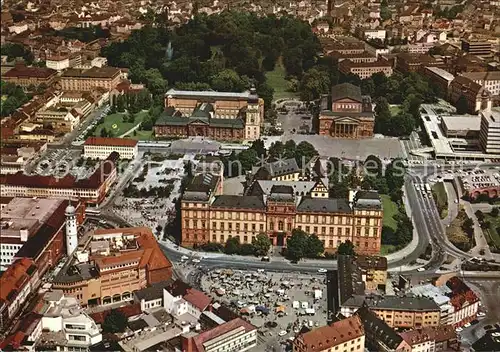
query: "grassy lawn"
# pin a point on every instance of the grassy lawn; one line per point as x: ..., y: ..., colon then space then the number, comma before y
x: 390, y: 209
x: 276, y: 79
x: 394, y: 109
x: 115, y: 125
x: 492, y: 235
x: 441, y: 198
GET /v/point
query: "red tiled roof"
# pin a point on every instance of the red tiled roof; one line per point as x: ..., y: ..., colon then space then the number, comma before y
x: 110, y: 141
x: 191, y: 295
x: 200, y: 339
x: 430, y: 333
x: 149, y: 253
x: 14, y: 278
x: 24, y: 71
x: 128, y: 311
x: 332, y: 335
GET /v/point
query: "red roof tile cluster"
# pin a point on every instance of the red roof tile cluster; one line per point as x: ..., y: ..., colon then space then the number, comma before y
x: 211, y: 334
x: 111, y: 142
x: 461, y: 293
x: 191, y: 295
x: 430, y: 333
x: 128, y: 311
x: 15, y: 278
x: 332, y: 335
x: 149, y: 254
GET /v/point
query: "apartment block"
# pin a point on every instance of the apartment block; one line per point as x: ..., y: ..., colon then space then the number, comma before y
x: 489, y: 133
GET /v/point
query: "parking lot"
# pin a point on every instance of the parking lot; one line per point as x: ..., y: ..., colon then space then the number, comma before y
x: 278, y: 304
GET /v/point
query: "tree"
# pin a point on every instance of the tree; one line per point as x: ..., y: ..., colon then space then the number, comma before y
x: 262, y: 244
x: 114, y: 322
x: 314, y: 248
x: 462, y: 105
x: 232, y: 245
x: 382, y: 116
x: 373, y: 166
x: 313, y: 83
x: 266, y: 92
x: 259, y: 147
x: 296, y: 245
x: 494, y: 212
x: 346, y: 248
x: 228, y: 81
x: 304, y: 152
x: 480, y: 216
x: 104, y: 132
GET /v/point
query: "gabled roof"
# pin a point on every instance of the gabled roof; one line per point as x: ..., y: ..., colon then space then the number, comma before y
x: 378, y: 328
x: 346, y: 90
x: 191, y: 295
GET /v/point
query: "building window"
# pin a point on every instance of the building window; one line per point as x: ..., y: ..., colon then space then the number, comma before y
x: 280, y: 226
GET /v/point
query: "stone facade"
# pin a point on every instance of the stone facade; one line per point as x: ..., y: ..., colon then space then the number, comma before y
x: 350, y: 116
x: 216, y: 115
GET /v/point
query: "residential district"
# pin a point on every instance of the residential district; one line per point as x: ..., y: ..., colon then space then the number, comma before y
x: 216, y: 176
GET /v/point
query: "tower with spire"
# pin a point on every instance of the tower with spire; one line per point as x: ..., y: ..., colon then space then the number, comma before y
x: 71, y: 229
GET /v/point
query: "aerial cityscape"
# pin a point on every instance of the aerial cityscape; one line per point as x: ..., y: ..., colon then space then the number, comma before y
x: 268, y: 176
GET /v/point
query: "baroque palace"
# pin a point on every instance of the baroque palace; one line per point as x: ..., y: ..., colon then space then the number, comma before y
x: 278, y: 198
x: 217, y: 115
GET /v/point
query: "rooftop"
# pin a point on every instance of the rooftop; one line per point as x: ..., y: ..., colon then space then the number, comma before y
x: 94, y: 72
x: 461, y: 123
x: 404, y: 303
x: 346, y: 90
x: 379, y: 328
x: 200, y: 340
x: 430, y: 333
x: 112, y: 142
x: 207, y: 94
x: 238, y: 202
x: 337, y: 333
x: 323, y: 205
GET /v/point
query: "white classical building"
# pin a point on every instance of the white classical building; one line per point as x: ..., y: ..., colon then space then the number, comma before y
x: 65, y: 325
x: 101, y: 147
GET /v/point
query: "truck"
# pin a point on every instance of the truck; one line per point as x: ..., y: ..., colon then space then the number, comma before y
x: 428, y: 187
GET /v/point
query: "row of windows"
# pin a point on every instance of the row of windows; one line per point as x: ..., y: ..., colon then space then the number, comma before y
x: 11, y: 246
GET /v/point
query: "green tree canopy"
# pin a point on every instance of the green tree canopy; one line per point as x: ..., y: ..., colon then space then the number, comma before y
x: 232, y: 245
x: 346, y: 248
x: 261, y: 244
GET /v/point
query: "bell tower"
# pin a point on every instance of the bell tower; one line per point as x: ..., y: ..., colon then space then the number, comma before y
x: 71, y: 230
x: 252, y: 121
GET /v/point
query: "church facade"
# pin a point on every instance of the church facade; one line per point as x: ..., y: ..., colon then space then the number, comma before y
x: 350, y: 114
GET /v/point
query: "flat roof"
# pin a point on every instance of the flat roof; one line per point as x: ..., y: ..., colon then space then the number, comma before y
x: 462, y: 123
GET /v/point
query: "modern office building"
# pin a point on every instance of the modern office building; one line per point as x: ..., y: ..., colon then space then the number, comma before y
x: 489, y: 134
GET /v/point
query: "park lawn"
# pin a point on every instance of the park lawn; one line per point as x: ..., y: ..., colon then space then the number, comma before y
x: 492, y: 235
x: 115, y: 125
x: 276, y: 79
x: 442, y: 197
x: 390, y: 209
x: 142, y: 135
x: 394, y: 109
